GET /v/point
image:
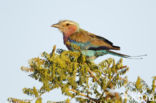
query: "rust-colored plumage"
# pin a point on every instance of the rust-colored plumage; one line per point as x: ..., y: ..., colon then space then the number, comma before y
x: 98, y: 42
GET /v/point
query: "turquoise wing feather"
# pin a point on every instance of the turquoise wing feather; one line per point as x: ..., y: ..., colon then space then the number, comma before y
x: 85, y: 46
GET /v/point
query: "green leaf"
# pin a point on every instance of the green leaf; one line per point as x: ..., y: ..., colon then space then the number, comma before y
x: 39, y: 100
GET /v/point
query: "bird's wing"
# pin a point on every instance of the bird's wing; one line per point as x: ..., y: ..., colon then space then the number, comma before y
x: 91, y: 41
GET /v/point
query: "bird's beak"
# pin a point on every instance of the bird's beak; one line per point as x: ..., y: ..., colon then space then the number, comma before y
x: 55, y: 25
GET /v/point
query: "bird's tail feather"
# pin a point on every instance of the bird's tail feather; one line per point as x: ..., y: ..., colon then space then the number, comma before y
x: 116, y: 47
x: 126, y: 56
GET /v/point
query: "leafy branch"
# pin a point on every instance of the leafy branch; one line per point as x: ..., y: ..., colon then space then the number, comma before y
x: 83, y: 80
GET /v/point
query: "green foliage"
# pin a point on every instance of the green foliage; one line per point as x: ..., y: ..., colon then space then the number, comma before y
x: 82, y: 79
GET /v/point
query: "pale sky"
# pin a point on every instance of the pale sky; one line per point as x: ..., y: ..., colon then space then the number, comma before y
x: 25, y: 32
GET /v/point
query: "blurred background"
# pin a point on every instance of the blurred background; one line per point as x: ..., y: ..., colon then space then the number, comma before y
x: 25, y: 32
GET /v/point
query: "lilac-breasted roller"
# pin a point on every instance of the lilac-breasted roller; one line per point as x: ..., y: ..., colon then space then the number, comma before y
x: 91, y: 45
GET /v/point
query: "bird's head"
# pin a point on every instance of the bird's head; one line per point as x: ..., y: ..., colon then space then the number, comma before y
x: 67, y: 27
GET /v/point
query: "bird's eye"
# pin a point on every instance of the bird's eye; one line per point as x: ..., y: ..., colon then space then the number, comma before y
x: 67, y: 24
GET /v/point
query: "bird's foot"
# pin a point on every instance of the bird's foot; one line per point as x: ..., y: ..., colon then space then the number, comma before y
x: 59, y: 51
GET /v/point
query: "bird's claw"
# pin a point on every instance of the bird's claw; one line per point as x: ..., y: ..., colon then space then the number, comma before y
x: 59, y: 51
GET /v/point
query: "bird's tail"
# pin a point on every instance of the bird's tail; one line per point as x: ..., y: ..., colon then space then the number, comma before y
x: 116, y: 48
x: 126, y: 56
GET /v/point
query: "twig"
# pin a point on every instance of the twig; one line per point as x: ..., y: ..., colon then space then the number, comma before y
x: 81, y: 94
x: 123, y: 67
x: 92, y: 75
x: 53, y: 51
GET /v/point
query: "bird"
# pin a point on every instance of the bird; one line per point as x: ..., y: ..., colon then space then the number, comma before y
x: 90, y: 45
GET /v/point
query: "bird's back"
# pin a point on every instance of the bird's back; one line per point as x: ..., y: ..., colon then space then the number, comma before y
x: 96, y: 42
